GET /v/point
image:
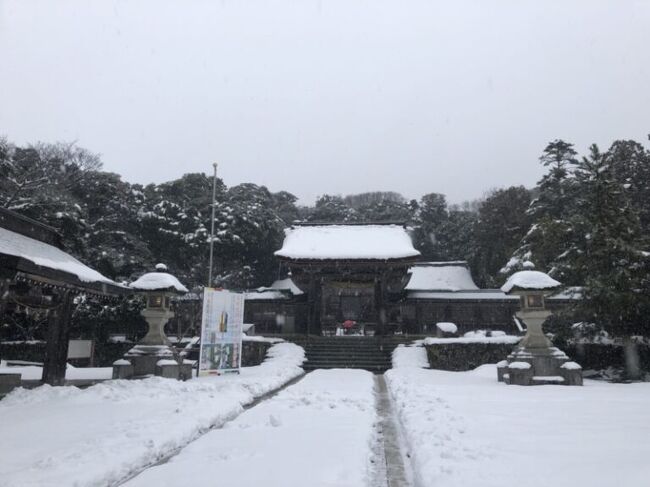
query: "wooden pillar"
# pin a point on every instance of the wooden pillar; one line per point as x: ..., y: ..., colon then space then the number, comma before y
x: 380, y: 303
x: 311, y: 301
x: 4, y: 292
x: 58, y: 335
x: 314, y: 300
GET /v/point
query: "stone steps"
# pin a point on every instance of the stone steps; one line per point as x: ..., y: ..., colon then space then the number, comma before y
x: 367, y: 353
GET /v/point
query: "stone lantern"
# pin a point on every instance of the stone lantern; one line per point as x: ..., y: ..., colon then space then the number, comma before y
x: 535, y: 361
x: 153, y: 355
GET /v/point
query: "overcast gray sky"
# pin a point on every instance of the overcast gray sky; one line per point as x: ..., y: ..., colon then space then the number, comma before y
x: 331, y: 96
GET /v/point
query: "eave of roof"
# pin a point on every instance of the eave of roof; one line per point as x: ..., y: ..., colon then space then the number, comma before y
x: 26, y: 270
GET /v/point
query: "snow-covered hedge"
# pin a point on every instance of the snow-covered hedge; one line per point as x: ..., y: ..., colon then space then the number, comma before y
x: 455, y: 354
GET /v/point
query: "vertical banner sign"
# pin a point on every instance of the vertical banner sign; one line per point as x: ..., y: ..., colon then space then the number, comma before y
x: 221, y: 332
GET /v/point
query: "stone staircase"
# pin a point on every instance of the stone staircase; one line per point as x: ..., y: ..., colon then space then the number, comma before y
x: 350, y: 352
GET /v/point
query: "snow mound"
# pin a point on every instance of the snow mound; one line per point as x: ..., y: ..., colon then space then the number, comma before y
x: 570, y: 366
x: 529, y: 280
x: 447, y: 327
x: 410, y: 356
x: 322, y: 242
x: 519, y: 365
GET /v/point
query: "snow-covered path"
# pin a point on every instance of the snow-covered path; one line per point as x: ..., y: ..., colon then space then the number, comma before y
x: 397, y: 472
x: 318, y: 432
x: 467, y: 429
x: 99, y: 436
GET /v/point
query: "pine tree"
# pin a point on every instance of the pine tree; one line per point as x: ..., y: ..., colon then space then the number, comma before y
x: 430, y: 221
x: 614, y: 253
x: 502, y: 222
x: 549, y: 240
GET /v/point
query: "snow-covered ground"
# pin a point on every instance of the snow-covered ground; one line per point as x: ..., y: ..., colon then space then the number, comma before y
x: 466, y: 429
x: 318, y: 432
x: 34, y: 372
x: 56, y: 436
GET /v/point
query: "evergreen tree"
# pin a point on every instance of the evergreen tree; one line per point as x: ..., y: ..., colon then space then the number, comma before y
x: 502, y: 222
x: 613, y: 253
x: 332, y: 209
x: 429, y: 220
x: 631, y: 167
x: 549, y: 240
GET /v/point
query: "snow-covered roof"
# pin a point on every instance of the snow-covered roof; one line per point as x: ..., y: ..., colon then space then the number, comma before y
x: 529, y: 280
x: 265, y: 294
x: 286, y: 284
x: 158, y: 281
x: 280, y: 289
x: 46, y: 255
x: 349, y: 242
x: 481, y: 294
x: 440, y: 276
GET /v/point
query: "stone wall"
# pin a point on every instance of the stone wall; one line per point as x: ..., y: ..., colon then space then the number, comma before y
x: 253, y: 352
x: 591, y: 356
x: 105, y: 353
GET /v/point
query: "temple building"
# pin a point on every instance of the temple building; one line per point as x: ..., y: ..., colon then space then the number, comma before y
x: 371, y: 274
x: 38, y: 277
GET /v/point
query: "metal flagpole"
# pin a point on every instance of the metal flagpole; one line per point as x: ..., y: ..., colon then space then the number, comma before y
x: 214, y: 195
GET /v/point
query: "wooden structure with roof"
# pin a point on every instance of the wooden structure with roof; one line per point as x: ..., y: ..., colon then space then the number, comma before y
x: 349, y: 271
x: 368, y: 273
x: 37, y: 273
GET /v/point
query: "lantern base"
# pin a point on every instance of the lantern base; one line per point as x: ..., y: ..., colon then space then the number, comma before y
x: 527, y: 366
x: 144, y: 358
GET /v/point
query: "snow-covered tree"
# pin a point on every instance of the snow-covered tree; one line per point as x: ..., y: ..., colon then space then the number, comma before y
x: 614, y: 253
x: 502, y: 222
x: 332, y: 209
x: 549, y: 240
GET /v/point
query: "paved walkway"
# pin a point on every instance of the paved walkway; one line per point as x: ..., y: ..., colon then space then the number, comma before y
x: 397, y: 472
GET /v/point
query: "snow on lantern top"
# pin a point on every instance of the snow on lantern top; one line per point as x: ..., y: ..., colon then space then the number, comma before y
x: 347, y: 242
x: 529, y: 281
x: 158, y: 281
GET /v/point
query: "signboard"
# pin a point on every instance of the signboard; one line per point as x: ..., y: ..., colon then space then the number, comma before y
x: 80, y: 349
x: 221, y: 332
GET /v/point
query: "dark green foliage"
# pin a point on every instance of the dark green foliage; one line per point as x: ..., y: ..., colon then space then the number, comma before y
x: 466, y: 356
x: 332, y: 209
x: 502, y: 223
x: 588, y: 224
x: 93, y: 320
x: 123, y: 230
x: 590, y: 228
x: 613, y: 254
